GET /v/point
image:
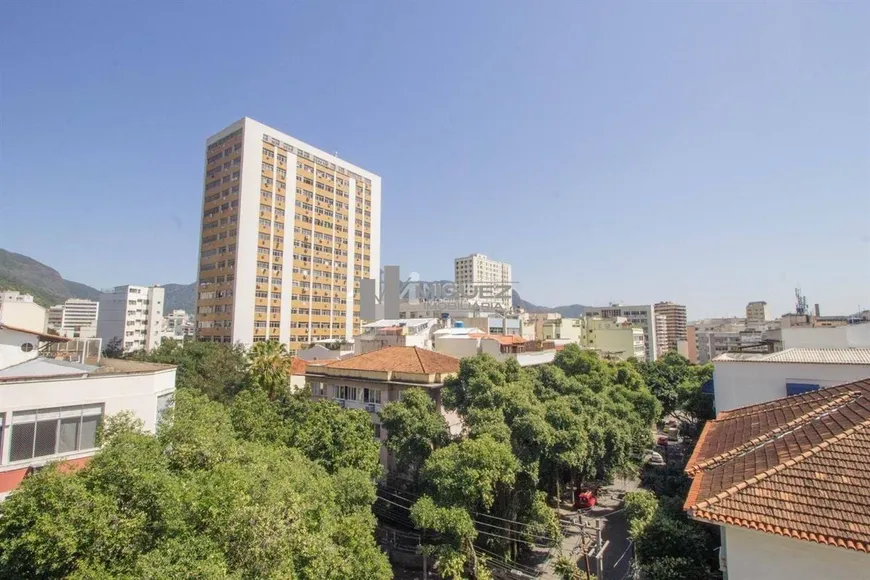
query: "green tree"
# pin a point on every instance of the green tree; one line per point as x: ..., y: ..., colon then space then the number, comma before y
x: 269, y: 367
x: 415, y: 428
x: 196, y: 501
x: 214, y: 369
x: 114, y: 348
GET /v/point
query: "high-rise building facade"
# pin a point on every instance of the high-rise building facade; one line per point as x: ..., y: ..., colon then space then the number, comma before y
x: 288, y: 231
x: 675, y: 325
x: 75, y: 318
x: 477, y: 276
x: 133, y: 314
x: 757, y: 313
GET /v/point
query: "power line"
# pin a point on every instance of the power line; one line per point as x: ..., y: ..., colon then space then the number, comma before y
x: 547, y: 538
x: 537, y: 537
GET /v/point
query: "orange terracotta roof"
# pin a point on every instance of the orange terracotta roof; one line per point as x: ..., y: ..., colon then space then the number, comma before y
x: 402, y: 359
x: 11, y: 479
x: 298, y: 366
x: 509, y: 339
x: 797, y: 467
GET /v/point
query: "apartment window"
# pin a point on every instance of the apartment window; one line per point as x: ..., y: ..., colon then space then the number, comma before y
x: 44, y: 432
x: 345, y: 392
x: 371, y: 396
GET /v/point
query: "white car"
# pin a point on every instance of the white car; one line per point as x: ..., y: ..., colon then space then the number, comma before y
x: 653, y: 458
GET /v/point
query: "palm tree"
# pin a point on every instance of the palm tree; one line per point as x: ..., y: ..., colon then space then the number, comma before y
x: 270, y: 367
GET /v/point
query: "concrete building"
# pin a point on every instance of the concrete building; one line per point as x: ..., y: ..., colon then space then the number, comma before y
x: 641, y: 316
x: 385, y: 333
x: 75, y: 318
x: 370, y: 381
x: 757, y: 313
x: 51, y: 410
x: 674, y: 328
x: 17, y: 309
x: 268, y: 196
x: 178, y: 325
x: 569, y: 329
x: 133, y: 314
x: 786, y: 482
x: 749, y: 379
x: 465, y: 342
x: 691, y: 344
x: 811, y: 320
x: 476, y: 275
x: 615, y: 338
x: 850, y: 336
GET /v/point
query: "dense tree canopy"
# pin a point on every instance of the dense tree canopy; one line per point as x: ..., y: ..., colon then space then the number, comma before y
x: 528, y: 432
x: 256, y: 489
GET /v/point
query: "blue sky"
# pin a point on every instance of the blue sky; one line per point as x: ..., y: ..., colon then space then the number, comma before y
x: 705, y: 153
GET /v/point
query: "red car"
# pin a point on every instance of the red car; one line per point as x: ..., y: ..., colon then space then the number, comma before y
x: 584, y: 500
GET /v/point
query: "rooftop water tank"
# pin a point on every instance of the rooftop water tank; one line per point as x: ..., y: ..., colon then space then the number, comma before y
x: 458, y: 324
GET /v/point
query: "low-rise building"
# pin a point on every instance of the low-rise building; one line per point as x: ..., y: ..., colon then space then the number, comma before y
x: 848, y: 336
x: 787, y: 482
x: 133, y: 315
x: 178, y: 325
x: 615, y: 338
x: 75, y: 318
x: 326, y: 351
x: 19, y: 310
x: 641, y: 316
x: 466, y: 342
x: 749, y: 379
x: 51, y: 409
x: 370, y: 381
x: 569, y: 329
x: 402, y: 332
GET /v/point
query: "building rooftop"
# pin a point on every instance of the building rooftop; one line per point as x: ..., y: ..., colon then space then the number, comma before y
x: 48, y: 368
x: 41, y: 335
x: 400, y: 322
x: 842, y: 356
x: 298, y: 366
x: 797, y: 467
x: 400, y: 359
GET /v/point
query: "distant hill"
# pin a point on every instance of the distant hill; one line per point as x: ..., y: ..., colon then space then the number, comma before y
x: 29, y: 276
x: 23, y: 273
x: 180, y: 297
x: 569, y: 311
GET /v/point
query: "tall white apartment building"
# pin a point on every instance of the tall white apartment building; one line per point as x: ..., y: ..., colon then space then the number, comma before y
x: 134, y: 314
x: 75, y: 318
x: 288, y: 231
x: 642, y: 316
x: 477, y: 274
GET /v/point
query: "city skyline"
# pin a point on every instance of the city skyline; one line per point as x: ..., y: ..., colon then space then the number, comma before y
x: 722, y: 163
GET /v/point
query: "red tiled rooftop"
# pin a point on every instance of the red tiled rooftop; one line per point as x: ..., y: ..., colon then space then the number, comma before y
x: 797, y: 467
x: 401, y: 359
x: 298, y: 366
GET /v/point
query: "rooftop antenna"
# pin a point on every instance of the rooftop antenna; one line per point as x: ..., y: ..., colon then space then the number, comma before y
x: 801, y: 306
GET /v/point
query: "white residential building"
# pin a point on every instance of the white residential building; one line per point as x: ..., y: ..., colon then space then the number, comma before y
x: 178, y: 325
x: 75, y: 318
x: 748, y: 379
x: 850, y: 336
x: 461, y: 342
x: 51, y: 410
x: 134, y: 314
x: 641, y: 316
x: 403, y: 332
x: 477, y: 275
x: 19, y: 310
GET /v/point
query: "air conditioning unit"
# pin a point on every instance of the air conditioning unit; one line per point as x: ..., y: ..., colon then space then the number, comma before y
x: 370, y: 407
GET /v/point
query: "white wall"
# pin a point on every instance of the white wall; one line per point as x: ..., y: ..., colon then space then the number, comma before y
x: 752, y: 555
x: 119, y: 392
x: 851, y: 336
x: 10, y: 347
x: 24, y: 315
x: 457, y: 347
x: 741, y: 383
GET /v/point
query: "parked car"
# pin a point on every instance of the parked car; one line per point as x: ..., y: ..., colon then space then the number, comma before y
x: 653, y: 458
x: 584, y: 500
